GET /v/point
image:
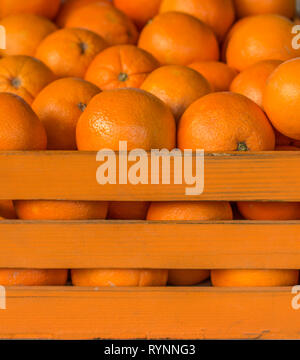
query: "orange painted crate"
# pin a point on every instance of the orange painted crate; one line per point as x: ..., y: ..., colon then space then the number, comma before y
x: 156, y: 313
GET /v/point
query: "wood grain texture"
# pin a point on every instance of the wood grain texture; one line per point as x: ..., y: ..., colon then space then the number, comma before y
x: 151, y: 313
x: 72, y: 176
x: 116, y: 244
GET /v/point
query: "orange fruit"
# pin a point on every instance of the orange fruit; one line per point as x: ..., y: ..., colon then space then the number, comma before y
x: 24, y: 76
x: 139, y: 11
x: 20, y: 128
x: 218, y: 74
x: 249, y: 42
x: 251, y: 82
x: 59, y: 106
x: 7, y: 209
x: 254, y: 278
x: 131, y: 115
x: 218, y: 14
x: 24, y: 277
x: 179, y: 39
x: 187, y: 277
x: 255, y: 7
x: 110, y: 23
x: 274, y: 211
x: 282, y: 140
x: 189, y: 211
x: 60, y: 210
x: 48, y: 9
x: 116, y: 277
x: 176, y: 85
x: 281, y: 98
x: 121, y: 66
x: 69, y: 52
x: 24, y: 33
x: 69, y: 6
x: 127, y: 210
x: 225, y: 121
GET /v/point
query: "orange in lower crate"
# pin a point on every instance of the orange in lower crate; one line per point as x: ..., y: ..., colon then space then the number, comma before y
x: 20, y: 128
x: 225, y: 121
x: 98, y: 277
x: 61, y: 210
x: 187, y: 277
x: 7, y: 209
x: 254, y: 278
x: 269, y: 210
x: 22, y: 277
x: 59, y: 106
x: 127, y: 210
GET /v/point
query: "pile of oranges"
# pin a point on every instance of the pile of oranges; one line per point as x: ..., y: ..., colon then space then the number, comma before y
x: 218, y: 75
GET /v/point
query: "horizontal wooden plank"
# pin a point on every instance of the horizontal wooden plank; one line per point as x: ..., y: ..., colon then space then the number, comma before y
x: 149, y: 313
x: 116, y: 244
x: 72, y: 176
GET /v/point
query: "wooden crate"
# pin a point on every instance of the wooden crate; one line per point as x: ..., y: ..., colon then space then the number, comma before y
x: 156, y: 313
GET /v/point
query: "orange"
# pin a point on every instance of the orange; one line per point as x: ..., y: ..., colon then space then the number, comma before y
x: 24, y: 277
x: 189, y: 211
x: 24, y: 76
x: 131, y: 115
x: 47, y: 8
x: 121, y: 66
x: 139, y: 11
x: 249, y: 42
x: 187, y: 277
x: 269, y: 210
x: 218, y: 14
x: 176, y: 85
x: 282, y: 140
x: 254, y: 278
x: 255, y: 7
x: 61, y: 210
x: 59, y: 106
x: 218, y: 74
x: 118, y: 277
x: 7, y: 209
x: 69, y: 52
x: 225, y: 121
x: 282, y: 98
x: 110, y: 23
x: 127, y: 210
x: 251, y: 82
x: 20, y: 128
x: 24, y: 33
x: 179, y: 39
x: 70, y: 6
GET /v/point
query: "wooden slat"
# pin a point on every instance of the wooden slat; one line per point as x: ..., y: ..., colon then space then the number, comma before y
x: 72, y: 175
x: 241, y: 245
x: 177, y: 313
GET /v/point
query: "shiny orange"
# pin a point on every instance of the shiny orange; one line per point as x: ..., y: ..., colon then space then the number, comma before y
x: 7, y: 209
x: 179, y: 39
x: 139, y: 11
x: 69, y: 52
x: 24, y: 277
x: 24, y: 76
x: 225, y: 121
x: 254, y: 7
x: 108, y: 22
x: 187, y: 277
x: 249, y: 42
x: 47, y: 8
x: 20, y: 128
x: 131, y: 115
x: 282, y: 98
x: 218, y: 14
x: 127, y: 210
x: 252, y: 81
x: 118, y: 277
x: 59, y: 106
x: 254, y: 278
x: 24, y: 33
x: 218, y: 74
x: 178, y: 86
x: 61, y: 210
x: 121, y: 66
